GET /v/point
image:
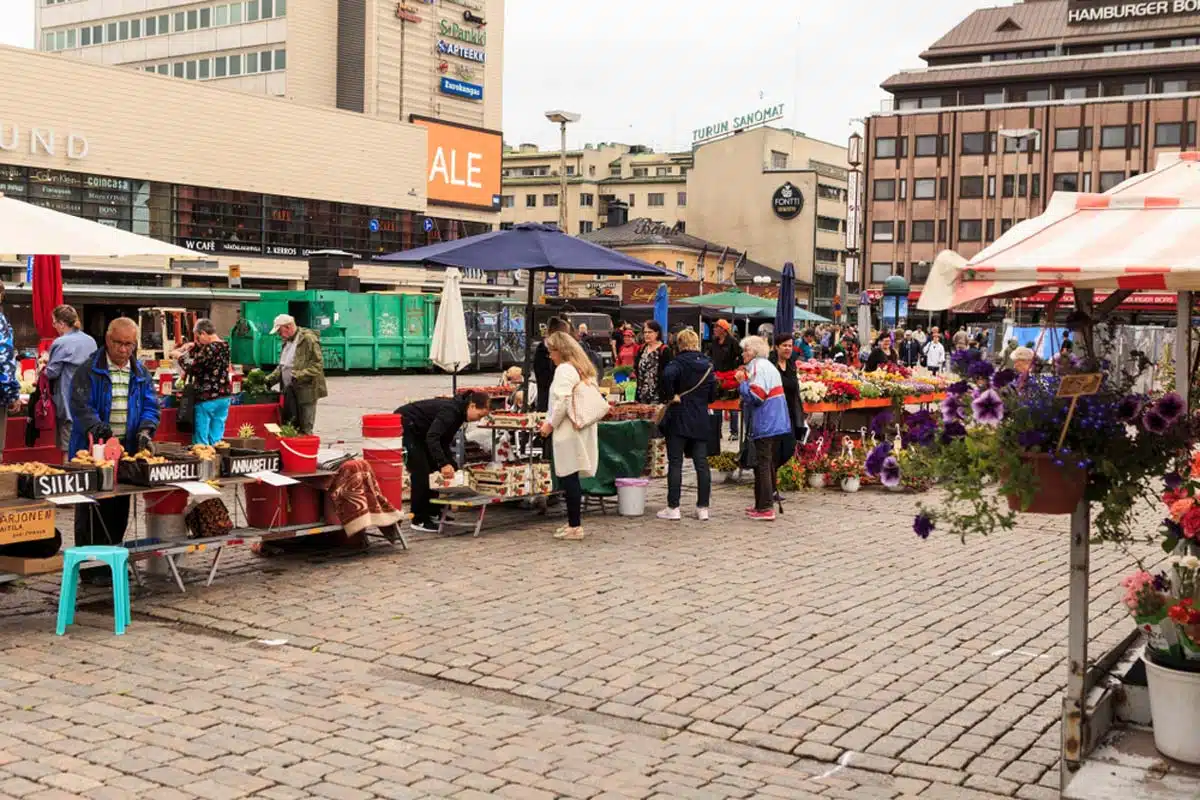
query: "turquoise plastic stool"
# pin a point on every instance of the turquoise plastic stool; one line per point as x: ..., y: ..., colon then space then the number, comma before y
x: 117, y: 559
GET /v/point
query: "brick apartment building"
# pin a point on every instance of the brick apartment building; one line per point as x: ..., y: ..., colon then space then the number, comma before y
x: 1015, y: 103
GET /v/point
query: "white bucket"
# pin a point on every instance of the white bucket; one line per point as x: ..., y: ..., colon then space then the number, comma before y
x: 1175, y: 711
x: 631, y: 496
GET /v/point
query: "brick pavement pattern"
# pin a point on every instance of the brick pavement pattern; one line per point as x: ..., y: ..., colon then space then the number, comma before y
x: 829, y: 654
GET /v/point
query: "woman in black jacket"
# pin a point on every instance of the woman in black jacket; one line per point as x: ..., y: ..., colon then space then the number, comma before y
x: 784, y: 346
x: 689, y: 377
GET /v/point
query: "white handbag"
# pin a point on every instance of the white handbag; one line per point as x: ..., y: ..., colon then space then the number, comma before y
x: 588, y: 405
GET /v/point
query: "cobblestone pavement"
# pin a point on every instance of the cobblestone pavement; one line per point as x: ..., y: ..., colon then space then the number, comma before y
x: 829, y: 654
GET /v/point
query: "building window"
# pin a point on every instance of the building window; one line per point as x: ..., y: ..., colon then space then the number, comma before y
x: 85, y: 37
x: 550, y: 200
x: 1110, y: 179
x: 1113, y: 137
x: 506, y: 226
x: 976, y: 144
x: 1073, y: 139
x: 235, y: 13
x: 779, y: 160
x: 681, y: 199
x: 177, y: 69
x: 1036, y: 190
x: 614, y: 171
x: 585, y: 226
x: 110, y: 32
x: 163, y: 69
x: 1066, y: 182
x: 221, y: 16
x: 920, y: 271
x: 933, y: 145
x: 220, y: 66
x: 679, y: 266
x: 631, y: 198
x: 252, y: 64
x: 1021, y: 182
x: 656, y: 199
x: 891, y: 147
x: 507, y: 200
x: 970, y: 230
x: 900, y: 231
x: 881, y: 231
x: 135, y: 29
x: 252, y: 11
x: 922, y: 230
x: 924, y: 189
x: 825, y: 254
x: 204, y: 69
x: 1022, y: 144
x: 280, y: 60
x: 588, y: 200
x: 1173, y: 87
x: 235, y: 64
x: 989, y: 233
x: 904, y: 188
x: 885, y: 189
x: 570, y: 169
x: 640, y: 172
x: 190, y: 70
x: 1170, y: 134
x: 661, y: 171
x: 531, y: 201
x: 591, y: 170
x: 880, y: 271
x: 993, y: 97
x: 970, y: 186
x: 831, y: 224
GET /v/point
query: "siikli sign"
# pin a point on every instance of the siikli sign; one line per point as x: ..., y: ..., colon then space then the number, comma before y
x: 457, y: 88
x: 1090, y: 12
x: 455, y: 31
x: 456, y: 49
x: 758, y: 117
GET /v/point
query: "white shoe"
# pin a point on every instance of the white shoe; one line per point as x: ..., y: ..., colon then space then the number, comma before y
x: 702, y: 514
x: 670, y: 513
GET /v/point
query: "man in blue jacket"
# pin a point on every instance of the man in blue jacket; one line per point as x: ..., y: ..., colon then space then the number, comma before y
x: 111, y: 395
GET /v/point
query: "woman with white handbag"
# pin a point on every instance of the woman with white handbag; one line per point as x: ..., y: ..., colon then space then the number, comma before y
x: 576, y: 406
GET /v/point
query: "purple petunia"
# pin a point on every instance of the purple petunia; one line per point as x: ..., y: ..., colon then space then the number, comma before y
x: 958, y: 389
x: 1161, y: 584
x: 881, y: 423
x: 1174, y: 529
x: 952, y: 431
x: 1155, y: 422
x: 1031, y: 439
x: 988, y: 408
x: 923, y: 526
x: 1170, y: 407
x: 876, y: 458
x: 1129, y: 408
x: 981, y: 370
x: 890, y: 474
x: 1003, y: 378
x: 953, y: 410
x: 1172, y: 481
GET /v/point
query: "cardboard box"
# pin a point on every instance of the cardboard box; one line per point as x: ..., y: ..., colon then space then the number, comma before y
x: 27, y: 524
x: 31, y: 566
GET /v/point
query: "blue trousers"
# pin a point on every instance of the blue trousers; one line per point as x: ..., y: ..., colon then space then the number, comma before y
x: 210, y: 421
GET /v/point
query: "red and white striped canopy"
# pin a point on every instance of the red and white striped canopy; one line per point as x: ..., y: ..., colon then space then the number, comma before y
x: 1142, y: 234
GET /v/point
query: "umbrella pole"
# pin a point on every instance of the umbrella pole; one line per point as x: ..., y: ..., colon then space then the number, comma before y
x: 460, y: 438
x: 529, y: 327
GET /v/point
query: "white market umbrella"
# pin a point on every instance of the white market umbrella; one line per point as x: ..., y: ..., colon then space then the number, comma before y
x: 32, y: 230
x: 450, y: 349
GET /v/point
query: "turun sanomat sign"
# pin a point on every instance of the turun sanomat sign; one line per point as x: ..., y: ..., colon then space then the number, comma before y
x: 1090, y: 12
x: 760, y: 116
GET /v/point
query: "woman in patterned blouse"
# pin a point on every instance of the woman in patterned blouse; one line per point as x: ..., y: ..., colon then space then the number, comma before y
x: 206, y: 362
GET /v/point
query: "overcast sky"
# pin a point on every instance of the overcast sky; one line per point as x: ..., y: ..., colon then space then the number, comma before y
x: 650, y: 71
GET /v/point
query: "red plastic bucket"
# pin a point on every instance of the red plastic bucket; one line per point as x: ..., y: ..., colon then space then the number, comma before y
x: 388, y: 466
x: 299, y: 453
x: 163, y: 503
x: 382, y: 426
x: 304, y: 505
x: 266, y: 506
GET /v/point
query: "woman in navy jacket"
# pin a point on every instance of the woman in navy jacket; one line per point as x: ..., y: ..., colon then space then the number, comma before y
x: 688, y: 377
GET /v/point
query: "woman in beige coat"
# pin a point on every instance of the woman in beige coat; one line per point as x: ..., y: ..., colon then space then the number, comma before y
x: 576, y: 452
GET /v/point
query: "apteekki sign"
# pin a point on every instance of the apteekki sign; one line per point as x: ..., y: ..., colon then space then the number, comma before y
x: 1093, y: 12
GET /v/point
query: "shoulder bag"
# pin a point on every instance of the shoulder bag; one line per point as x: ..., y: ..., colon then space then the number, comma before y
x: 661, y: 413
x: 588, y: 405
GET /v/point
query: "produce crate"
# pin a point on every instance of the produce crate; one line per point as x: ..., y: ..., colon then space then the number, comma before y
x: 8, y: 485
x: 515, y: 421
x: 73, y: 480
x: 140, y: 473
x: 236, y: 461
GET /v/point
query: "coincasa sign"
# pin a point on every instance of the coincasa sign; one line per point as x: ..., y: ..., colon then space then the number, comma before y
x: 463, y: 164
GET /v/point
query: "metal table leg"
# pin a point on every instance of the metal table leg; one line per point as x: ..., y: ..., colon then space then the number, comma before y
x: 212, y: 573
x: 479, y: 521
x: 175, y: 572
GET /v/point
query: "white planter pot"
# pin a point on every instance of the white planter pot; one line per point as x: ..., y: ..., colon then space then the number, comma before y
x: 897, y: 488
x: 724, y: 477
x: 851, y: 484
x: 1175, y: 711
x: 817, y: 480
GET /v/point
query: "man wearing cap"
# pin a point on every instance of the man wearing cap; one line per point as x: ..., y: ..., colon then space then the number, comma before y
x: 301, y: 373
x: 726, y: 359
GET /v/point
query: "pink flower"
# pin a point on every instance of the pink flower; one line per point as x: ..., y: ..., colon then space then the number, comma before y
x: 1181, y: 507
x: 1134, y: 585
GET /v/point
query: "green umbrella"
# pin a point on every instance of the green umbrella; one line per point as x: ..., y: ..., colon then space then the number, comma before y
x: 741, y: 302
x: 804, y: 315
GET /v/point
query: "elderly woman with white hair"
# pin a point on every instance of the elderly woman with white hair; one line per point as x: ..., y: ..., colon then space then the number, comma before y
x: 763, y: 397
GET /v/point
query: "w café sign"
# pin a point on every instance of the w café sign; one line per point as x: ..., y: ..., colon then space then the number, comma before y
x: 1093, y: 12
x: 751, y: 119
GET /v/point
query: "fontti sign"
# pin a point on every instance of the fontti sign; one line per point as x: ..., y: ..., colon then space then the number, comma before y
x: 1091, y: 12
x: 751, y: 119
x: 47, y: 141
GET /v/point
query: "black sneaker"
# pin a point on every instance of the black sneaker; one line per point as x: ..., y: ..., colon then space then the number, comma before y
x: 423, y: 526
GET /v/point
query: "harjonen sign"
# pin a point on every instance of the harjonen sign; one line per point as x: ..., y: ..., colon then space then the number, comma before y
x: 759, y: 117
x: 1091, y: 12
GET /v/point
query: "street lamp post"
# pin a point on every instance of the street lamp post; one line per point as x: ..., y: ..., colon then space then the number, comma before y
x: 562, y: 118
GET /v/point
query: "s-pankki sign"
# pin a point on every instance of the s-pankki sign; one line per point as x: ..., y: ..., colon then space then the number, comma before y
x: 749, y: 120
x: 462, y: 165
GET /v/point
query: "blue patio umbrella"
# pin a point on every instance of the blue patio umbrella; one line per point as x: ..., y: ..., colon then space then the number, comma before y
x: 785, y: 306
x: 661, y: 301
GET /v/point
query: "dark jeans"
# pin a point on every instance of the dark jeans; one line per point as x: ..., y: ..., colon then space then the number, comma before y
x: 676, y: 445
x: 784, y: 450
x: 734, y: 418
x: 102, y: 523
x: 417, y: 460
x: 573, y: 489
x: 764, y: 472
x: 302, y: 415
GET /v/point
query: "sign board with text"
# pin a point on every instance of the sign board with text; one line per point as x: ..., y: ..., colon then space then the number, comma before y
x: 1099, y: 12
x: 26, y: 525
x: 463, y: 164
x: 750, y: 119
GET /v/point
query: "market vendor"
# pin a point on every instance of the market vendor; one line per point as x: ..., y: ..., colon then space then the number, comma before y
x: 429, y: 430
x: 726, y: 358
x: 301, y: 373
x: 111, y: 395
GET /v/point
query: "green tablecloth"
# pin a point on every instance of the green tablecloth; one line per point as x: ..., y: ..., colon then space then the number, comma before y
x: 623, y: 447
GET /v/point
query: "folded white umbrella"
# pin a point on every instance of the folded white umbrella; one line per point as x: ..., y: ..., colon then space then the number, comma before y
x: 450, y: 349
x: 32, y: 230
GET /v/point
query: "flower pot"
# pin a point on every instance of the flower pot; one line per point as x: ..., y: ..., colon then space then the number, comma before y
x: 851, y: 484
x: 817, y: 480
x: 724, y: 477
x: 1175, y: 711
x: 1160, y: 632
x: 1059, y: 489
x: 899, y: 487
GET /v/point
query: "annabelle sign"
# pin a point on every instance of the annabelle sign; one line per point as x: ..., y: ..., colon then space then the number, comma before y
x: 1092, y: 12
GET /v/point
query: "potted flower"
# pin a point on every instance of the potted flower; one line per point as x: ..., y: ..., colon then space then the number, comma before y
x: 814, y: 457
x: 846, y: 472
x: 791, y: 476
x: 723, y: 465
